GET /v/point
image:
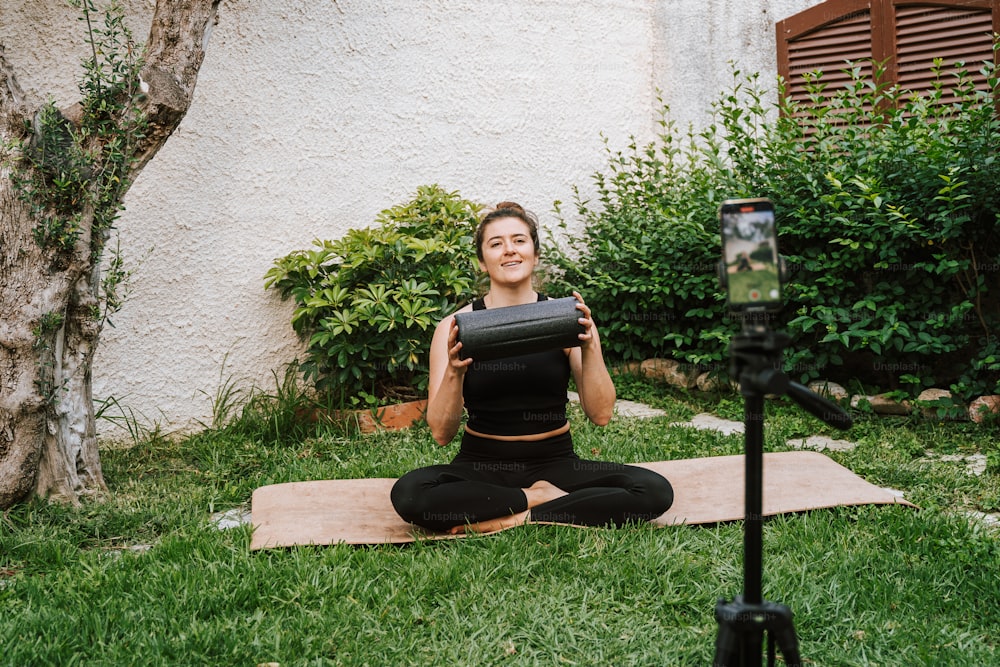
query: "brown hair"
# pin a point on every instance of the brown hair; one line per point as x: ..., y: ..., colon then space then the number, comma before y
x: 507, y: 209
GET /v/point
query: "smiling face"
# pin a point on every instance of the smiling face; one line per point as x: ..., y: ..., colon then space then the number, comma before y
x: 508, y: 253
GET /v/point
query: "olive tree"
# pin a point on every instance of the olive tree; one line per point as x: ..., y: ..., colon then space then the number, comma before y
x: 63, y: 175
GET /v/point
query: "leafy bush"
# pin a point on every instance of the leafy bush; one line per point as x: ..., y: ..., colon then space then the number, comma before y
x: 887, y: 213
x: 368, y: 302
x: 646, y: 257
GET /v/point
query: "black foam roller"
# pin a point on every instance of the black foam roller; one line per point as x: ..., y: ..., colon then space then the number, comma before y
x: 512, y: 331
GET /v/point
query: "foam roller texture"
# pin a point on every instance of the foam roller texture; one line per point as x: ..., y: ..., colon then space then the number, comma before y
x: 512, y: 331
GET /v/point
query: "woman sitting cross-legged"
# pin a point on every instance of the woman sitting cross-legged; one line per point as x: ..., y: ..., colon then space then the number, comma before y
x: 517, y: 463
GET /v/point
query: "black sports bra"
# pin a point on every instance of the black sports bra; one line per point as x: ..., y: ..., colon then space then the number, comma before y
x: 520, y: 395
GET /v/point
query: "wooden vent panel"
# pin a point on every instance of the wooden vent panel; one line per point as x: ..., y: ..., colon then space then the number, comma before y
x: 830, y: 49
x: 950, y: 33
x: 906, y: 35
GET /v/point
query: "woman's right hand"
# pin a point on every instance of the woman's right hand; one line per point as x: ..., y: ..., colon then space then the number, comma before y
x: 455, y: 349
x: 447, y: 376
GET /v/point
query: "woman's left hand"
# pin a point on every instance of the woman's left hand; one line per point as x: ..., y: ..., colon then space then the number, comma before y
x: 593, y: 383
x: 586, y: 321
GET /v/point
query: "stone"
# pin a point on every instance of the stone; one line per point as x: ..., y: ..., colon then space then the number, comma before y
x: 820, y: 443
x: 882, y: 404
x: 981, y: 408
x: 628, y: 368
x: 975, y: 464
x: 231, y: 518
x: 932, y: 400
x: 625, y: 408
x: 709, y: 382
x: 830, y: 390
x: 987, y: 520
x: 670, y: 371
x: 707, y: 422
x: 931, y: 395
x: 639, y: 410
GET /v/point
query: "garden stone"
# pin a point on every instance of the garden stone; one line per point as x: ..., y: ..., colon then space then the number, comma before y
x: 633, y: 409
x: 930, y: 400
x: 627, y: 408
x: 670, y: 371
x: 707, y: 422
x: 931, y: 395
x: 984, y: 406
x: 820, y: 443
x: 831, y: 390
x: 709, y: 382
x: 881, y: 404
x: 629, y: 368
x: 988, y: 520
x: 975, y: 463
x: 116, y: 553
x: 231, y: 518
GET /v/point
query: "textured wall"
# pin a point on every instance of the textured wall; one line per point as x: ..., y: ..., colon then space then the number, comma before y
x: 311, y: 116
x: 697, y: 40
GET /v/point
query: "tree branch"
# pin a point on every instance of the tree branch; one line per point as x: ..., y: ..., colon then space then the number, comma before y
x: 11, y: 94
x: 174, y: 53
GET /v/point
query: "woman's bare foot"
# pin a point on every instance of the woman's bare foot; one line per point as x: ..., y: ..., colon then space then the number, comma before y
x: 493, y: 525
x: 538, y: 493
x: 542, y: 492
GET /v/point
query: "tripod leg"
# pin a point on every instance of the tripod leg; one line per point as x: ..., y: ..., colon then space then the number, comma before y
x: 727, y: 641
x: 741, y: 632
x: 781, y: 630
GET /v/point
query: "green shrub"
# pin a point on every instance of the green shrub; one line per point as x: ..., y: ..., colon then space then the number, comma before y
x: 367, y: 303
x: 887, y: 214
x: 646, y: 257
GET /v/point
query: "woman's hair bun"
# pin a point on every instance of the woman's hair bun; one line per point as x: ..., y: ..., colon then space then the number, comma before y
x: 509, y: 205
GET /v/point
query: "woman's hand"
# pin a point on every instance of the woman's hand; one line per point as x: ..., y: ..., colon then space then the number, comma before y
x: 455, y: 360
x: 589, y: 334
x: 593, y: 383
x: 444, y: 387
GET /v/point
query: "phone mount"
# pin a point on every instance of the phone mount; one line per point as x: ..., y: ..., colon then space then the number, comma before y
x: 756, y: 356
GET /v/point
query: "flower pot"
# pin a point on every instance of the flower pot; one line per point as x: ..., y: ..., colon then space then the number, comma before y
x: 393, y: 417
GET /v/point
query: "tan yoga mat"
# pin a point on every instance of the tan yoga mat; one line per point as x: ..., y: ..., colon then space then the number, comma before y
x: 706, y: 490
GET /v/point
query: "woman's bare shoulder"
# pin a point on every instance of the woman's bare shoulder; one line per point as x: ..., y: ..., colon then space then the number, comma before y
x: 445, y: 322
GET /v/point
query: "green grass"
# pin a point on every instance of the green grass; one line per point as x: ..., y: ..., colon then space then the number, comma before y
x: 145, y: 578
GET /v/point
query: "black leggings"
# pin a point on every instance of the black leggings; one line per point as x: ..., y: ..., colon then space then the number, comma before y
x: 485, y: 479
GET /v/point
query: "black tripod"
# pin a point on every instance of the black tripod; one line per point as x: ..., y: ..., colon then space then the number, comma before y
x: 755, y: 360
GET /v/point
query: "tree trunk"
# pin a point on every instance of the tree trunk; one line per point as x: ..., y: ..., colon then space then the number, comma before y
x: 50, y: 301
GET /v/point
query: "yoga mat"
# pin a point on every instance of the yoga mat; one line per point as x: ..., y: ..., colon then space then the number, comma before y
x: 706, y: 490
x: 496, y: 333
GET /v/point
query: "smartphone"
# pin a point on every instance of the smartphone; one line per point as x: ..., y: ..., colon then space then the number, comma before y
x: 750, y: 255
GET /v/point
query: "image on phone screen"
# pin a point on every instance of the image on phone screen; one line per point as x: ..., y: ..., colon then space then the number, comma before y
x: 750, y: 253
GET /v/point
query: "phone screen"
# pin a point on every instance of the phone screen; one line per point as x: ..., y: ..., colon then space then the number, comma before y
x: 750, y: 254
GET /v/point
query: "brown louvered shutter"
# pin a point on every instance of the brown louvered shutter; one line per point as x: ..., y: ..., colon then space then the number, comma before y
x: 820, y: 40
x: 953, y: 34
x: 905, y: 35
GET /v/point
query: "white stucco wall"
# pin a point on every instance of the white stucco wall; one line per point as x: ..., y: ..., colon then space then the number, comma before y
x: 310, y: 116
x: 697, y: 40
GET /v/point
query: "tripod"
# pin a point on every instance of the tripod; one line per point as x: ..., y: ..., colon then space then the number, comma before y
x: 755, y: 360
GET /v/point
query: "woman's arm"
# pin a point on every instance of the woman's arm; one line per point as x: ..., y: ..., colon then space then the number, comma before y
x: 593, y: 382
x: 444, y: 387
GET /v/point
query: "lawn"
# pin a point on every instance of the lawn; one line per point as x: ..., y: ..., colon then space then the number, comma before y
x: 145, y: 577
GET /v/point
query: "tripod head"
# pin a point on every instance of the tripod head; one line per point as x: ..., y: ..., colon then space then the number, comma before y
x: 755, y: 362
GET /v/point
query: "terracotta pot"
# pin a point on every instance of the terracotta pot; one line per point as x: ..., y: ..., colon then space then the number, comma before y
x: 392, y: 417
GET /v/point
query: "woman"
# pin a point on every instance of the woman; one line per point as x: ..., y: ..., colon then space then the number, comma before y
x: 516, y: 463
